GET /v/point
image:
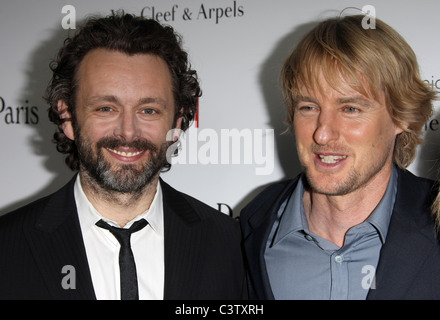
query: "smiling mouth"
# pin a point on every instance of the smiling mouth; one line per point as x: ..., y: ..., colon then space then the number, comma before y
x: 331, y: 159
x: 125, y: 154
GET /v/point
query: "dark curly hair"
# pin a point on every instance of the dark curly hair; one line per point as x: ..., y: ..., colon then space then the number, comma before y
x: 128, y: 34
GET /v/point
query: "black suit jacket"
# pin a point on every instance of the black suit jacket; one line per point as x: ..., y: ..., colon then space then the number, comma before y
x: 203, y: 257
x: 409, y: 263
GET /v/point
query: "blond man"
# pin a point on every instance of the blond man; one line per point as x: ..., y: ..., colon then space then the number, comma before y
x: 355, y: 224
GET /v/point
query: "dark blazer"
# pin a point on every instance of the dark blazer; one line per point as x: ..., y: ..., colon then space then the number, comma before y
x: 203, y: 257
x: 409, y: 263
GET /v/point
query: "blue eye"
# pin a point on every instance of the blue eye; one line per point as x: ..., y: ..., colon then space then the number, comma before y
x: 351, y: 109
x: 151, y: 114
x: 149, y: 111
x: 105, y: 109
x: 307, y: 109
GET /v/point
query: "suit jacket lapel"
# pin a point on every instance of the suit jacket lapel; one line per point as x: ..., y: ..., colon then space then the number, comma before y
x: 261, y: 223
x: 182, y: 235
x: 255, y: 246
x: 56, y: 242
x: 409, y: 241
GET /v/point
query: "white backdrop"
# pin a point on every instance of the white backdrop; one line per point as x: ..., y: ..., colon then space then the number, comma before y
x: 237, y: 48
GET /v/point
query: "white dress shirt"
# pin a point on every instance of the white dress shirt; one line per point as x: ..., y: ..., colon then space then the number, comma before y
x: 102, y: 249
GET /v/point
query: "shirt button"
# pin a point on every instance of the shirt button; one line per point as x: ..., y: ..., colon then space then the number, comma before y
x: 339, y: 259
x: 309, y: 237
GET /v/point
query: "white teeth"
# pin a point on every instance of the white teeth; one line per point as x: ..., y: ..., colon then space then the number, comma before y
x: 125, y: 154
x: 331, y: 159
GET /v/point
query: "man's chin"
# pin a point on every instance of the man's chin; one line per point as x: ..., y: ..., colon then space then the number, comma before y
x: 128, y: 178
x: 125, y: 183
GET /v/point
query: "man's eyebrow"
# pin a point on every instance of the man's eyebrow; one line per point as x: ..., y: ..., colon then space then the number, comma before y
x: 356, y: 100
x: 305, y: 99
x: 148, y: 100
x: 106, y: 98
x: 113, y: 99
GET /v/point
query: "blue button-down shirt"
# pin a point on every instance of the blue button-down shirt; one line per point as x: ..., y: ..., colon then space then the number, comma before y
x: 302, y: 265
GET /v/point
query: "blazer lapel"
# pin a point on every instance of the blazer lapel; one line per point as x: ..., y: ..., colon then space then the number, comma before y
x: 261, y: 222
x: 183, y: 233
x: 255, y: 245
x: 57, y: 244
x: 409, y: 241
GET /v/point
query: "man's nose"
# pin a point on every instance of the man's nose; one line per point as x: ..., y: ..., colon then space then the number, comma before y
x: 128, y: 127
x: 327, y: 127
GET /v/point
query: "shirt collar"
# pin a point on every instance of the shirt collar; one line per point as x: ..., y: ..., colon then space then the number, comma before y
x: 296, y: 219
x: 88, y: 215
x: 381, y: 216
x: 290, y: 213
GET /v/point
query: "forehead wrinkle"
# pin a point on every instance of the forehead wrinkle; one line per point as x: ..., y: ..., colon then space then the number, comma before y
x: 360, y: 100
x: 316, y: 86
x: 322, y: 66
x: 113, y: 99
x: 155, y: 100
x: 101, y: 98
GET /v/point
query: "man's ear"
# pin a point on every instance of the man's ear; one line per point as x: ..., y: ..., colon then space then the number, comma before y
x: 177, y: 130
x: 67, y: 120
x: 403, y: 127
x: 178, y: 127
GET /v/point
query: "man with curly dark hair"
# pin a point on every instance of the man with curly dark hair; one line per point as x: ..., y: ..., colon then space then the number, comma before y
x: 120, y: 85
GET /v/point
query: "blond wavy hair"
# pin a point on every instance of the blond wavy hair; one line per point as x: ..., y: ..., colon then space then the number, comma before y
x: 371, y: 61
x: 436, y: 211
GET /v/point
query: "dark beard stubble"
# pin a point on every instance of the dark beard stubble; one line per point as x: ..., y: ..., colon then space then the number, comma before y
x: 127, y: 178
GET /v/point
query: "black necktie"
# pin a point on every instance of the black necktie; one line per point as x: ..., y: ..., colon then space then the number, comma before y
x: 127, y: 266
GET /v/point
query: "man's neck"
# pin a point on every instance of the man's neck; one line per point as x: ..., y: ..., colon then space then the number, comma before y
x: 117, y: 206
x: 331, y: 217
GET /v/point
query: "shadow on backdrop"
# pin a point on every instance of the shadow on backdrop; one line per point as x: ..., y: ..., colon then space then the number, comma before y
x: 38, y: 75
x: 428, y: 157
x: 269, y: 78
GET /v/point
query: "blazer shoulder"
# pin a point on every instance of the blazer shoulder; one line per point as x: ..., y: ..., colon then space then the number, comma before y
x: 414, y: 198
x: 269, y: 192
x: 408, y: 178
x: 412, y: 187
x: 269, y: 198
x: 207, y: 212
x: 28, y: 213
x: 179, y: 201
